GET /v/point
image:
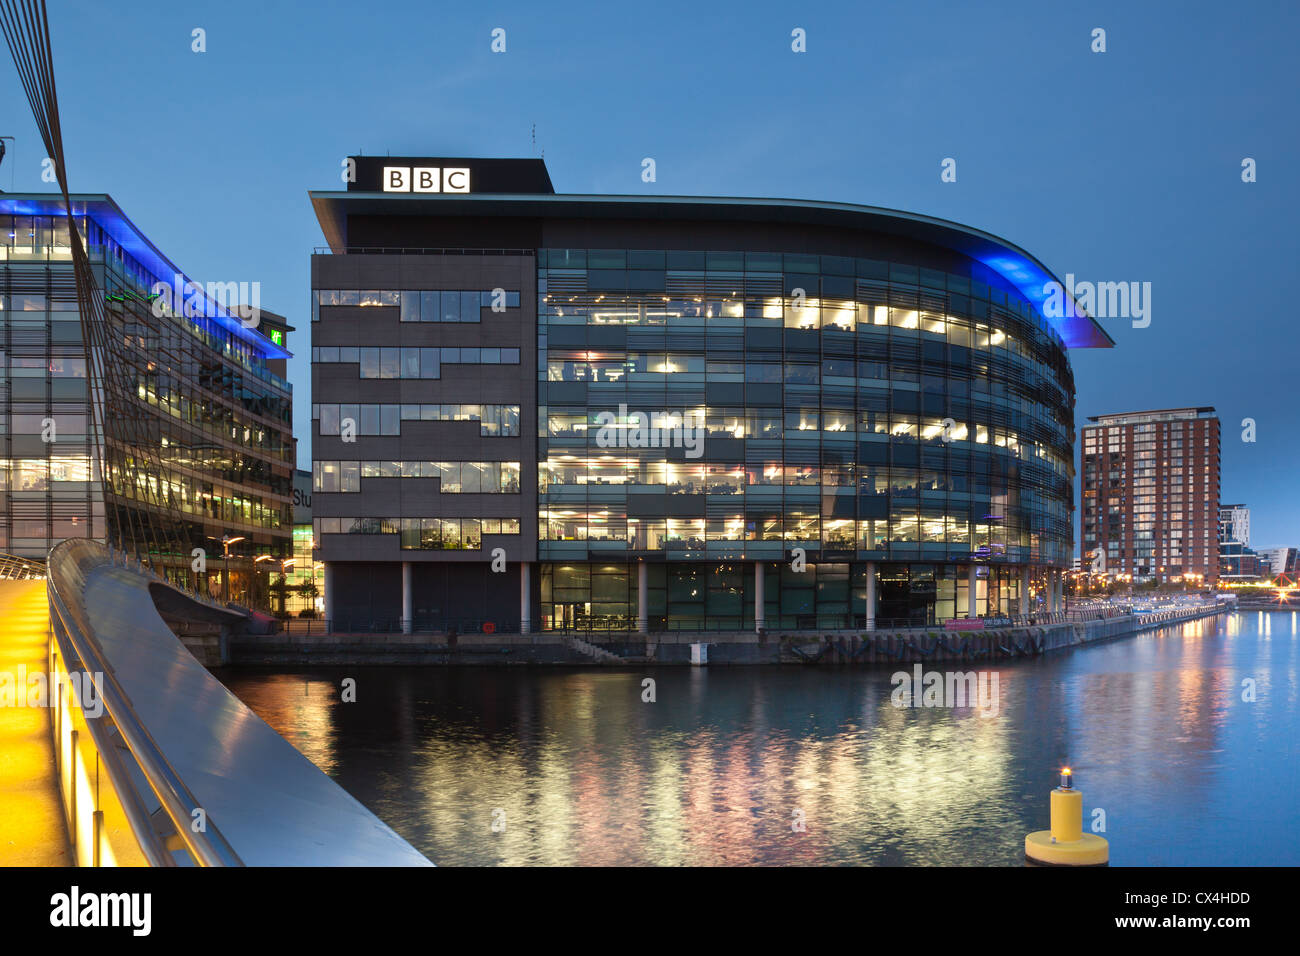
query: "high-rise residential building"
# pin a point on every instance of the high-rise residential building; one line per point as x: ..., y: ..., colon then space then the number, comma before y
x: 672, y: 412
x: 207, y: 386
x: 1150, y: 493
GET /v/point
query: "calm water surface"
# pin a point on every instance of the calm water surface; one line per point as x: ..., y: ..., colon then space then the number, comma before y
x: 582, y: 771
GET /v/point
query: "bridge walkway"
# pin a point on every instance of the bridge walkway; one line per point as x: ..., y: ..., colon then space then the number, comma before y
x: 32, y: 828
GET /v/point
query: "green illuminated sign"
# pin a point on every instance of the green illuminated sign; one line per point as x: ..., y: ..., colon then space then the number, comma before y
x: 277, y: 336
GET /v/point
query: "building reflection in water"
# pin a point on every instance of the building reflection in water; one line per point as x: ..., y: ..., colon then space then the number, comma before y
x: 573, y: 768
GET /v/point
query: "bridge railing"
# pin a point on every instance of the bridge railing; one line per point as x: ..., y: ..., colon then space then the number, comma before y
x: 14, y: 568
x: 123, y: 802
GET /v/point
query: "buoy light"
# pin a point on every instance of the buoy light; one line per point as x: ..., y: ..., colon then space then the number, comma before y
x: 1065, y: 778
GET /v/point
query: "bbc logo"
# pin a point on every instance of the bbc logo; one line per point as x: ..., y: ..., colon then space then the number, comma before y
x: 426, y: 179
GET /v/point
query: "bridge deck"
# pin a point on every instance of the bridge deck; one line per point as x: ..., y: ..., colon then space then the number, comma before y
x: 32, y: 831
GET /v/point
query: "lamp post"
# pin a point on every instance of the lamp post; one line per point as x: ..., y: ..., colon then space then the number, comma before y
x: 226, y: 542
x: 285, y: 564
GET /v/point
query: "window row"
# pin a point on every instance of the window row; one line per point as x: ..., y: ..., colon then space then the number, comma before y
x: 423, y: 306
x: 804, y: 313
x: 766, y: 425
x: 726, y: 479
x: 423, y: 534
x: 369, y: 420
x: 412, y: 362
x: 651, y: 534
x: 457, y: 477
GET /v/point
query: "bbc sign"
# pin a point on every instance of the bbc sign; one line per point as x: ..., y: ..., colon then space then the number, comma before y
x: 426, y: 179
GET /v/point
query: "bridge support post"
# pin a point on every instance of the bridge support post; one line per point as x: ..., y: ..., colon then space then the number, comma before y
x: 642, y: 597
x: 971, y: 592
x: 760, y: 601
x: 1024, y: 590
x: 407, y: 615
x: 329, y: 596
x: 871, y: 595
x: 525, y: 597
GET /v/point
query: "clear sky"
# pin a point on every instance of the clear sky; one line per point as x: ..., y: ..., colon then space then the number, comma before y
x: 1115, y: 166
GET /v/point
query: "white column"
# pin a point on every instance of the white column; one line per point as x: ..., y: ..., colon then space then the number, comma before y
x: 871, y: 595
x: 1024, y: 590
x: 642, y: 597
x: 971, y: 610
x: 760, y: 605
x: 525, y: 597
x: 329, y: 594
x: 407, y: 615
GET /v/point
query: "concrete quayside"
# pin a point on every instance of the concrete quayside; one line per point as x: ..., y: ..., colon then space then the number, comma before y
x: 614, y: 648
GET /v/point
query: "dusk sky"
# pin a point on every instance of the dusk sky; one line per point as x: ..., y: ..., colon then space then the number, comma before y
x: 1116, y: 166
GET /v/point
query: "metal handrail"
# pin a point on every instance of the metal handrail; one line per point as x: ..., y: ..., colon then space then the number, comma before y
x: 64, y: 587
x: 15, y: 568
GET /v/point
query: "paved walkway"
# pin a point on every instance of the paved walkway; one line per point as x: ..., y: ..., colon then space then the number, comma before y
x: 32, y: 831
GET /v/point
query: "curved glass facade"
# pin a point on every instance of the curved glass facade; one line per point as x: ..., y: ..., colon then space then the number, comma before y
x: 702, y: 412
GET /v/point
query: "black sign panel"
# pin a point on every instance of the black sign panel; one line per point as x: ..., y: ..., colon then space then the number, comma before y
x: 418, y: 175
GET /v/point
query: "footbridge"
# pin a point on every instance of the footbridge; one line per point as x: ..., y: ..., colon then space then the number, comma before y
x: 117, y: 747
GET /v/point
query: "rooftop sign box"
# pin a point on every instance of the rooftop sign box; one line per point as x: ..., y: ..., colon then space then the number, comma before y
x: 410, y: 175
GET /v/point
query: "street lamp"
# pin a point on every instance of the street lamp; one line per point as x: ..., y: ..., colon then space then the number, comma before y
x: 285, y: 564
x: 226, y: 542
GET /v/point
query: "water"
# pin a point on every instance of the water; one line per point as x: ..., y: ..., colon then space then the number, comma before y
x: 718, y: 769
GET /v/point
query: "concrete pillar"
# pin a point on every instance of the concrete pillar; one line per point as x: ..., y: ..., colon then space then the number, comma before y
x: 1024, y: 589
x: 971, y: 592
x: 407, y: 614
x: 760, y: 602
x: 1054, y: 589
x: 525, y: 597
x: 642, y: 597
x: 871, y: 595
x: 328, y: 586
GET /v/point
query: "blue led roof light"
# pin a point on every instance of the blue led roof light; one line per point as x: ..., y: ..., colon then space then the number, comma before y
x: 108, y: 216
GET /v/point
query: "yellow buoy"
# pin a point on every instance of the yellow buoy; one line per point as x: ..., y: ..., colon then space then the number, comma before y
x: 1065, y: 844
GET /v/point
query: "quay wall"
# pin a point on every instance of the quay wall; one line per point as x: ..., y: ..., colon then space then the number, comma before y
x: 675, y: 648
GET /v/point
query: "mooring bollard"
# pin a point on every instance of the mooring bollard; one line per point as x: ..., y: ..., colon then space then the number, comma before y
x: 1065, y: 844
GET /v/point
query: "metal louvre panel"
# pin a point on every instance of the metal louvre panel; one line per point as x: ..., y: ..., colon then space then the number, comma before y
x: 723, y: 286
x: 19, y: 336
x: 687, y: 339
x: 873, y: 291
x: 566, y: 281
x: 934, y: 303
x: 26, y: 280
x: 764, y: 284
x: 683, y: 283
x: 903, y: 298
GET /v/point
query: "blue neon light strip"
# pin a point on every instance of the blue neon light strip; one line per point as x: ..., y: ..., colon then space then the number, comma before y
x: 105, y: 212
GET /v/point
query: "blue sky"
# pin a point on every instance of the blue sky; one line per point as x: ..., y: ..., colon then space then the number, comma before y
x: 1118, y: 166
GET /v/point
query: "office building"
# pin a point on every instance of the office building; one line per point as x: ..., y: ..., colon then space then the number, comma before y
x: 202, y: 380
x: 677, y: 412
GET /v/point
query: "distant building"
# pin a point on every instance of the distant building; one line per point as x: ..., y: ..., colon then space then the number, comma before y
x: 1238, y: 562
x: 1282, y: 560
x: 1234, y: 524
x: 305, y: 571
x: 1150, y: 493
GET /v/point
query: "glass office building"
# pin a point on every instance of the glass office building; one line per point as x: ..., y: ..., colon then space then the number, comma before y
x: 745, y: 413
x: 219, y: 418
